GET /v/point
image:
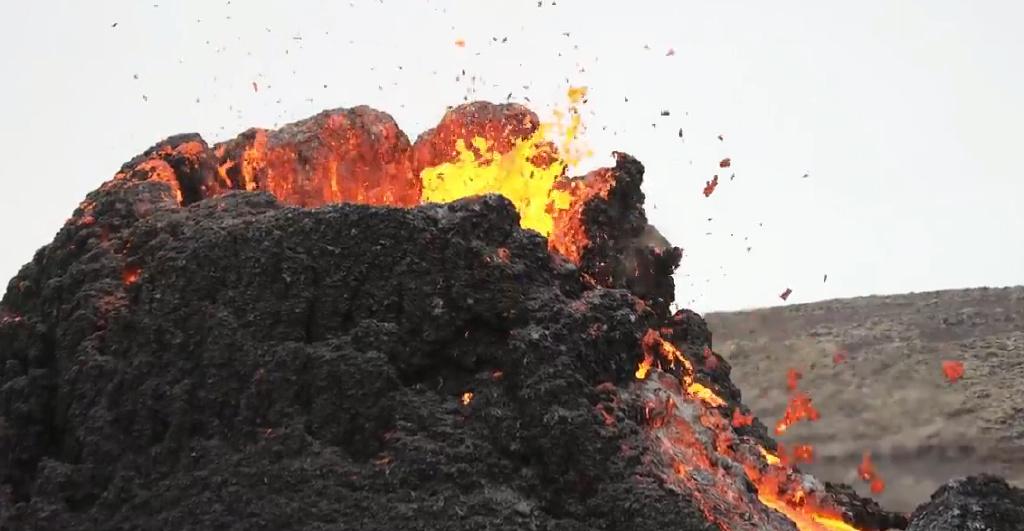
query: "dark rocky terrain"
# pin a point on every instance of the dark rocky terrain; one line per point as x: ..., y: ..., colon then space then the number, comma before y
x: 274, y: 367
x: 890, y: 396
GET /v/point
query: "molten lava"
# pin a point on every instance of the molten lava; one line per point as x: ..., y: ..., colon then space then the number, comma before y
x: 570, y: 236
x: 357, y: 155
x: 514, y: 175
x: 644, y: 367
x: 529, y: 170
x: 799, y: 407
x: 696, y: 439
x: 793, y: 377
x: 130, y: 275
x: 866, y: 471
x: 360, y: 155
x: 654, y: 343
x: 953, y: 370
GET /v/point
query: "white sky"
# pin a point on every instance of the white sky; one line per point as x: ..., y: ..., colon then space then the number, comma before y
x: 906, y: 114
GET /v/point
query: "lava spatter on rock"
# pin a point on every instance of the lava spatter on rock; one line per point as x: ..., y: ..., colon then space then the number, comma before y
x: 356, y: 155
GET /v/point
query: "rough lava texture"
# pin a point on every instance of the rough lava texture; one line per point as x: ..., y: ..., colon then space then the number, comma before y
x: 499, y: 124
x: 975, y: 503
x: 275, y: 367
x: 187, y: 356
x: 356, y: 155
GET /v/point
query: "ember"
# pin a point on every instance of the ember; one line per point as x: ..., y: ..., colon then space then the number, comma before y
x: 866, y: 471
x: 644, y: 367
x: 953, y: 370
x: 792, y: 379
x: 798, y: 409
x: 709, y: 186
x: 130, y: 275
x: 803, y: 453
x: 695, y: 439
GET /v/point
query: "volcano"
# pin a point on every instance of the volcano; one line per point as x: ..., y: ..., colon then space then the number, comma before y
x: 327, y: 326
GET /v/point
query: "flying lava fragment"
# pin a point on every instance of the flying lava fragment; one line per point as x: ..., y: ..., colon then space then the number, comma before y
x: 793, y: 376
x: 130, y: 275
x: 953, y: 370
x: 866, y: 471
x: 709, y: 186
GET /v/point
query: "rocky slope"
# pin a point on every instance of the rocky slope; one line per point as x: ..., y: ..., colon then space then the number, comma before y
x: 890, y: 396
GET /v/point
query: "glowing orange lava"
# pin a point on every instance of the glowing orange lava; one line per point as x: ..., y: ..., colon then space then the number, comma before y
x: 866, y: 471
x: 799, y: 408
x: 530, y: 171
x: 695, y: 436
x: 130, y: 274
x: 644, y: 367
x: 356, y: 155
x: 359, y: 155
x: 793, y: 379
x: 654, y: 344
x: 953, y: 370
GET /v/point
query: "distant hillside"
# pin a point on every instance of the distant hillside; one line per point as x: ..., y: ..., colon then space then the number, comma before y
x: 890, y: 395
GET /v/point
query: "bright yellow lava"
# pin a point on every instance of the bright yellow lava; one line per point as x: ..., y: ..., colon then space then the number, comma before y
x: 514, y: 174
x: 707, y: 395
x: 511, y: 174
x: 769, y: 457
x: 832, y: 523
x: 805, y: 522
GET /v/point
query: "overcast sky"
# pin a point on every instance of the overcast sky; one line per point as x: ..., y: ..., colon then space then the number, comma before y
x: 905, y: 116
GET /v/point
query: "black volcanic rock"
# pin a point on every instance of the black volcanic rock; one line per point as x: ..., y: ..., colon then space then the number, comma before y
x: 975, y: 503
x: 246, y: 365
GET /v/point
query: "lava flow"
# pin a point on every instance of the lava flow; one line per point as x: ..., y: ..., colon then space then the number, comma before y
x: 698, y: 444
